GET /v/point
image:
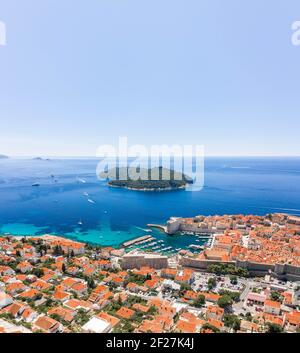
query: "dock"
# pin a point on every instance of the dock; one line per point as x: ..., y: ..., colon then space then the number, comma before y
x: 136, y: 241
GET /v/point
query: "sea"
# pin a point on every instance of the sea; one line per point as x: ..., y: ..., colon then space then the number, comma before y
x: 72, y: 202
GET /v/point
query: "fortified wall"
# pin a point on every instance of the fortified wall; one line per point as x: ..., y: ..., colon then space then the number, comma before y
x: 281, y: 271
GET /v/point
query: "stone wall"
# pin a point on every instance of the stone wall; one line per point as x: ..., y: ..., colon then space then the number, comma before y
x: 140, y: 260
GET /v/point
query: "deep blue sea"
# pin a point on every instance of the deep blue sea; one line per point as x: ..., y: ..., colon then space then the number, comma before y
x: 232, y: 185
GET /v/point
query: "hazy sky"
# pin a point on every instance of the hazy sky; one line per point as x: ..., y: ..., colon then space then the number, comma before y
x: 219, y: 73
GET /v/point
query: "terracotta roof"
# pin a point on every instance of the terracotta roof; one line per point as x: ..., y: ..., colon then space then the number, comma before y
x: 125, y: 313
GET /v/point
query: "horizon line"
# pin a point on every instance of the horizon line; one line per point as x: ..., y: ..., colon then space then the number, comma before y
x: 144, y: 156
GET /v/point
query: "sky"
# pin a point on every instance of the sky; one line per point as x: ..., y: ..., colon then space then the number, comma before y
x: 75, y: 75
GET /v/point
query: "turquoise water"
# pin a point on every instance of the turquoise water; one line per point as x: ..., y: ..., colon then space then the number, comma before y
x: 232, y: 185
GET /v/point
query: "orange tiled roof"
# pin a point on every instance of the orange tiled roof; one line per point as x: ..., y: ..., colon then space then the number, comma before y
x: 125, y: 313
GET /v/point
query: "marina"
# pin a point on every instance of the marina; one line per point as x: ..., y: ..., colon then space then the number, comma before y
x: 151, y: 244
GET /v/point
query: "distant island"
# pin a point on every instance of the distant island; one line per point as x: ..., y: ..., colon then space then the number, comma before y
x: 167, y: 179
x: 40, y: 159
x: 2, y: 156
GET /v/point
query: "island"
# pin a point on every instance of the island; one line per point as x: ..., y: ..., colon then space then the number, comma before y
x: 40, y: 159
x: 167, y: 179
x: 2, y: 156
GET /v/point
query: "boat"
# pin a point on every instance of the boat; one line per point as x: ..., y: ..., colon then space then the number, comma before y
x: 166, y: 249
x: 85, y: 194
x: 36, y: 184
x: 91, y: 201
x: 80, y: 223
x: 196, y: 247
x: 81, y: 180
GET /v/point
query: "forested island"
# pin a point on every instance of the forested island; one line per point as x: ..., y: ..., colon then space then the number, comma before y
x: 166, y: 179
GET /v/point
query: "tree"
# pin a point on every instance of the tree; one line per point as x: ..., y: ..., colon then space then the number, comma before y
x: 184, y: 287
x: 127, y: 327
x: 224, y: 269
x: 63, y: 268
x: 199, y: 301
x: 274, y: 328
x: 276, y: 296
x: 210, y: 327
x: 211, y: 283
x: 248, y: 316
x: 82, y: 317
x: 57, y: 251
x: 38, y: 272
x: 225, y: 301
x: 153, y: 310
x: 91, y: 283
x: 233, y: 279
x: 232, y: 321
x: 235, y: 296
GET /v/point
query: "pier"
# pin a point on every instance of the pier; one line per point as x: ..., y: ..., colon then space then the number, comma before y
x: 137, y: 241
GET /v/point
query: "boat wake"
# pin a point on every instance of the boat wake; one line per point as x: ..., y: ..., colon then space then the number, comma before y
x: 144, y: 230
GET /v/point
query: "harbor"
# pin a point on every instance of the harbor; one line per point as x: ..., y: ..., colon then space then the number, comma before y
x: 161, y: 243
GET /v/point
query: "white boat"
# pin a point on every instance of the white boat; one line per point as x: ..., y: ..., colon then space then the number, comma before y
x: 81, y: 180
x: 80, y: 223
x: 91, y: 201
x: 85, y: 194
x: 196, y: 247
